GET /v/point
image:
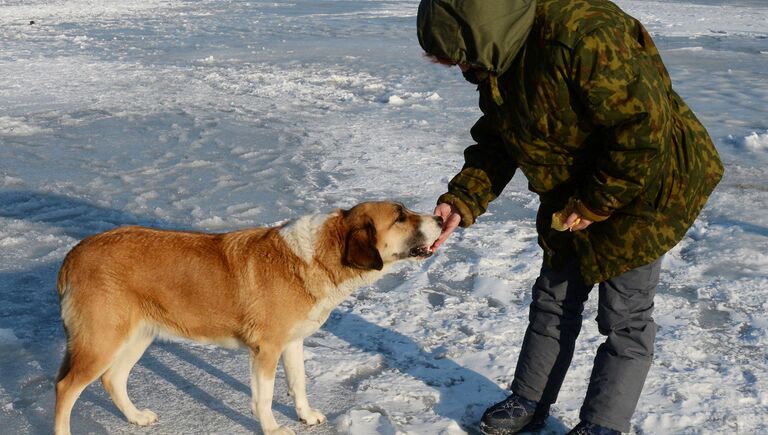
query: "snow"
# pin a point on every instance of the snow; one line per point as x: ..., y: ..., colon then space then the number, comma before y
x: 7, y: 337
x: 694, y: 19
x: 757, y: 141
x: 216, y: 115
x: 365, y: 421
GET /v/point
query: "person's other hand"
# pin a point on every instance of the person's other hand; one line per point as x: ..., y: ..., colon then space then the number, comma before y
x: 577, y: 222
x: 451, y: 220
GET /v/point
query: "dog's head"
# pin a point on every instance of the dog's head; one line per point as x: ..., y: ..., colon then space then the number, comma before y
x: 379, y: 233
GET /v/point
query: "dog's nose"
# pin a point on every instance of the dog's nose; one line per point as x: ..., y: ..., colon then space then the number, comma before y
x: 439, y: 220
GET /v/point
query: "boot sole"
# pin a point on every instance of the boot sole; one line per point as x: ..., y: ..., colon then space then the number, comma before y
x: 530, y: 427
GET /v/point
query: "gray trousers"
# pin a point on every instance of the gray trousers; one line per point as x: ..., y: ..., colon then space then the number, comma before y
x: 622, y: 361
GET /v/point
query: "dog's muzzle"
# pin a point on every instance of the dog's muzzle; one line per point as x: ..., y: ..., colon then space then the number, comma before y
x: 420, y: 251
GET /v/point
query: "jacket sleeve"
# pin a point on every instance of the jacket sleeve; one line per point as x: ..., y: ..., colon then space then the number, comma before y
x: 487, y: 170
x: 625, y: 100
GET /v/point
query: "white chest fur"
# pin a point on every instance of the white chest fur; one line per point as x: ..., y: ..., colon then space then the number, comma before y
x: 301, y: 236
x: 315, y: 319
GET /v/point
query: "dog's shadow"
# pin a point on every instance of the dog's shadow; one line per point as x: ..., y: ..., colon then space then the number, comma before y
x: 29, y: 309
x: 464, y: 394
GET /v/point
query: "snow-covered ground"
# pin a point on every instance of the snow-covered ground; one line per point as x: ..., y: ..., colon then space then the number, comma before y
x: 217, y: 115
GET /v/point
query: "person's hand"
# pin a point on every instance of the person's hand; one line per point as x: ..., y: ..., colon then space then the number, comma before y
x: 451, y: 220
x: 577, y: 222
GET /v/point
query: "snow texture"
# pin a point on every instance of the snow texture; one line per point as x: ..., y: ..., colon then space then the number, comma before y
x: 216, y: 115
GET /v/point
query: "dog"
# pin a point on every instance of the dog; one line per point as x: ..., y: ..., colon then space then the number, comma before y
x: 265, y: 289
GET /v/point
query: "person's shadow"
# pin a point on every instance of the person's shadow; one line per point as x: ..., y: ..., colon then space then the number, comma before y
x: 29, y: 308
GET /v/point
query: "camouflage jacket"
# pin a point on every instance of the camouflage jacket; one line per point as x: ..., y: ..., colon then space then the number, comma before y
x: 586, y: 111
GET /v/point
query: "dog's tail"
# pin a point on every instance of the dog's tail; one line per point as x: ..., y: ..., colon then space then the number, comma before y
x: 63, y: 286
x: 62, y: 281
x: 66, y: 365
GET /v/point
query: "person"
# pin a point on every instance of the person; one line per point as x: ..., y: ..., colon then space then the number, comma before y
x: 574, y: 94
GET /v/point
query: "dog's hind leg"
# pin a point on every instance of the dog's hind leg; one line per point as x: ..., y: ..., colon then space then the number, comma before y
x: 65, y: 399
x: 85, y: 364
x: 293, y: 362
x: 263, y: 367
x: 115, y: 379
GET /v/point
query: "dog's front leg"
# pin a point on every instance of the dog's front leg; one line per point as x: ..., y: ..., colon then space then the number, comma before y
x: 263, y: 367
x: 293, y: 361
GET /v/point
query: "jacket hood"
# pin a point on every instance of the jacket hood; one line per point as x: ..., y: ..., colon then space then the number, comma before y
x: 486, y: 34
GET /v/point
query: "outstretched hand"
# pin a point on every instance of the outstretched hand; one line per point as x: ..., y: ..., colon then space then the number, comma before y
x: 451, y: 220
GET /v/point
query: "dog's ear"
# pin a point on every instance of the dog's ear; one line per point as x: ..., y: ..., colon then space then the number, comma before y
x: 360, y: 248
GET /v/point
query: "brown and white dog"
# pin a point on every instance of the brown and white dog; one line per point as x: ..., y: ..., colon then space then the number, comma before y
x: 263, y: 288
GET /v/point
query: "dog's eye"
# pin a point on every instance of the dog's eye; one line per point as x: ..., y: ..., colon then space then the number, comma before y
x: 401, y: 217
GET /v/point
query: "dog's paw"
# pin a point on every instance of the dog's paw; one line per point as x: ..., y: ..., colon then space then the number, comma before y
x: 143, y: 418
x: 282, y: 430
x: 311, y: 417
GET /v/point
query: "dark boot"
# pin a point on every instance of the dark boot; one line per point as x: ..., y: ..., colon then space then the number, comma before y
x: 587, y: 428
x: 512, y: 415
